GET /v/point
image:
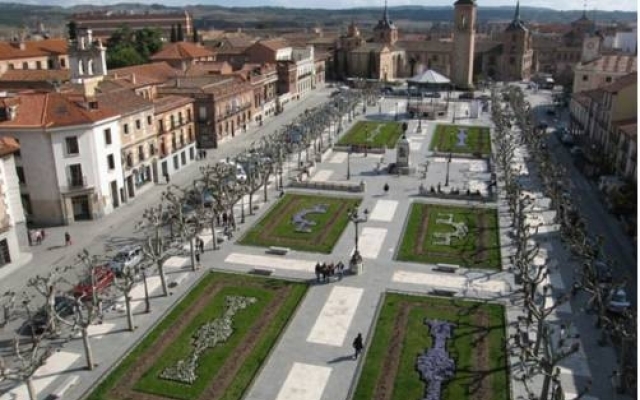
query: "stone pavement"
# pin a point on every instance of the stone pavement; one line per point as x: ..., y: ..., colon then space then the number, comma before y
x: 312, y: 359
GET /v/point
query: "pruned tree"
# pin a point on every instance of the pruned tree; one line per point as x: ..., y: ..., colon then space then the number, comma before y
x: 47, y: 286
x: 26, y: 361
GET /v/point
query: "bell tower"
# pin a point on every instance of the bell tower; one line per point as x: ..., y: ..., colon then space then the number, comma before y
x: 464, y: 32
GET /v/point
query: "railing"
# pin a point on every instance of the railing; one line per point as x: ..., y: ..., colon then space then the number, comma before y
x: 77, y: 182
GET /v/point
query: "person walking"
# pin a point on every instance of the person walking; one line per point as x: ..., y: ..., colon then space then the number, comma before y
x: 386, y: 188
x: 67, y: 239
x: 358, y: 345
x: 318, y: 271
x: 201, y: 245
x: 197, y: 260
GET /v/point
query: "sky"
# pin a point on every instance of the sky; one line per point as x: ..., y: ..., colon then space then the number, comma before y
x: 623, y: 5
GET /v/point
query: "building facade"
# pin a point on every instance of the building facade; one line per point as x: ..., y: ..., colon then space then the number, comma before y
x: 33, y: 55
x: 12, y: 220
x: 104, y: 24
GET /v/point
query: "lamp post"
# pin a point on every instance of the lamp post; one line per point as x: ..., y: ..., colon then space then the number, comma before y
x: 396, y: 117
x: 349, y: 162
x: 419, y: 130
x: 357, y: 220
x: 446, y: 181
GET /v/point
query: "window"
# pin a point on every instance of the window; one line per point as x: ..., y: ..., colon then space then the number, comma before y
x: 149, y: 120
x: 111, y: 162
x: 25, y: 65
x: 152, y: 149
x: 63, y: 63
x: 74, y: 175
x: 585, y: 78
x: 176, y: 164
x: 50, y: 64
x: 126, y: 128
x: 107, y: 136
x: 39, y: 64
x: 180, y: 117
x: 11, y: 66
x: 138, y: 124
x: 202, y: 113
x: 20, y: 173
x: 188, y: 114
x: 72, y: 145
x: 173, y: 121
x: 608, y: 79
x: 140, y: 152
x: 5, y: 256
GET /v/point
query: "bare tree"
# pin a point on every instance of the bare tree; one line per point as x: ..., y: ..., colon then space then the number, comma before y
x: 47, y: 287
x: 26, y: 362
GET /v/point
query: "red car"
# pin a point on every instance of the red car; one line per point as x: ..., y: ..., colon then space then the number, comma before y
x: 102, y: 279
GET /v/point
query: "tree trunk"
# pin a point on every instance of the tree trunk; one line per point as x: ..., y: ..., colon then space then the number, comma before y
x: 163, y: 278
x: 31, y: 389
x: 266, y: 183
x: 87, y: 347
x: 127, y: 305
x: 213, y: 232
x: 192, y: 254
x: 250, y: 199
x: 539, y: 335
x: 546, y: 383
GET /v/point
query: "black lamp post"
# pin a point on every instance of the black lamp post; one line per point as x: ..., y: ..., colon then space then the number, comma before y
x: 357, y: 220
x: 396, y: 117
x: 446, y: 181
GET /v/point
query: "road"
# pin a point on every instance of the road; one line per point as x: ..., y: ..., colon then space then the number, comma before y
x: 618, y: 246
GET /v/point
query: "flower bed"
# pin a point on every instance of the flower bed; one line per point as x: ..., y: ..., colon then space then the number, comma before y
x: 390, y: 370
x: 261, y: 309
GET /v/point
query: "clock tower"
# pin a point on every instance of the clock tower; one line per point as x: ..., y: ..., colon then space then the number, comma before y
x: 464, y: 32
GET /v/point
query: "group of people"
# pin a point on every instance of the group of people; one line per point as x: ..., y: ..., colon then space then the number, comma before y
x: 36, y: 236
x: 325, y: 271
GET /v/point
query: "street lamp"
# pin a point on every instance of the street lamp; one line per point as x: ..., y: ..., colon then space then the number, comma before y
x: 419, y: 130
x: 349, y: 161
x: 357, y: 219
x: 396, y: 117
x: 446, y: 181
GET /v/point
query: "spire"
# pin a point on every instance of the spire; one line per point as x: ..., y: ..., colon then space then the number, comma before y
x: 584, y: 10
x: 385, y: 16
x: 516, y: 16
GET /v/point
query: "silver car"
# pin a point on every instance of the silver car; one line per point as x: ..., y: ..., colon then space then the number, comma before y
x: 127, y: 257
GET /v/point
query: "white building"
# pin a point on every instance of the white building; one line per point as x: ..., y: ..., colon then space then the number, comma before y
x: 12, y: 223
x: 305, y: 69
x: 70, y: 165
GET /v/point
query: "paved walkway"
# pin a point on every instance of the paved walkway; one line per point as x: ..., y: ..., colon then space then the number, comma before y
x: 312, y: 360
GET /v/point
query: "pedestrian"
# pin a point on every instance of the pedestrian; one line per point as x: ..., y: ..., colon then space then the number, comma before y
x: 386, y: 188
x: 166, y: 178
x: 197, y: 260
x: 218, y: 219
x: 67, y: 239
x: 318, y: 271
x: 43, y: 234
x: 201, y: 245
x: 225, y: 219
x: 38, y: 238
x: 340, y: 270
x: 358, y: 345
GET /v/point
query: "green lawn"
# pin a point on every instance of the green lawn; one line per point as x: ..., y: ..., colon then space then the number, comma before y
x: 214, y: 358
x: 364, y: 133
x: 467, y: 252
x: 417, y: 339
x: 277, y: 229
x: 445, y: 139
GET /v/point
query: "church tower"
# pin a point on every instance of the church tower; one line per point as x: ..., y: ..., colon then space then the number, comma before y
x: 517, y: 58
x: 464, y: 32
x: 385, y: 31
x: 87, y: 60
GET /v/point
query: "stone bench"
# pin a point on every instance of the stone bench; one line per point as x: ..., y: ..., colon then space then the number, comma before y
x: 281, y: 251
x: 449, y: 268
x: 262, y: 271
x: 444, y: 292
x: 62, y: 389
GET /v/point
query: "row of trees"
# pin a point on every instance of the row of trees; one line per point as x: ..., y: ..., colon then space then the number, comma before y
x: 554, y: 341
x: 182, y: 215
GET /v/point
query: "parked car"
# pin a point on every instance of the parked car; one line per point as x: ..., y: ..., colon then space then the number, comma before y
x: 64, y: 307
x: 127, y: 257
x: 617, y: 301
x: 103, y: 277
x: 466, y: 95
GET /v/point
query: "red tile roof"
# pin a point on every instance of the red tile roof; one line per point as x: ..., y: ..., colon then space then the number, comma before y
x: 55, y: 110
x: 182, y: 51
x: 8, y: 145
x: 274, y: 44
x: 166, y: 103
x: 209, y: 68
x: 34, y: 75
x: 145, y: 74
x: 621, y: 83
x: 10, y: 51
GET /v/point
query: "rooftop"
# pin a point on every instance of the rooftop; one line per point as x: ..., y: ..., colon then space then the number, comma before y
x: 182, y: 51
x: 8, y: 145
x: 41, y: 48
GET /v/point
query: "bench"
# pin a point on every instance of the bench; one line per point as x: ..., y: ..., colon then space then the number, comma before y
x: 62, y: 389
x: 281, y: 251
x: 444, y: 292
x: 449, y: 268
x: 262, y: 271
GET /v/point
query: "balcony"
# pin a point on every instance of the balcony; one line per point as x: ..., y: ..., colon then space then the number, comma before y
x: 75, y: 183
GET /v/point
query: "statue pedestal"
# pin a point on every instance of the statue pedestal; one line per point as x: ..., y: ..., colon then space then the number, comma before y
x: 356, y: 265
